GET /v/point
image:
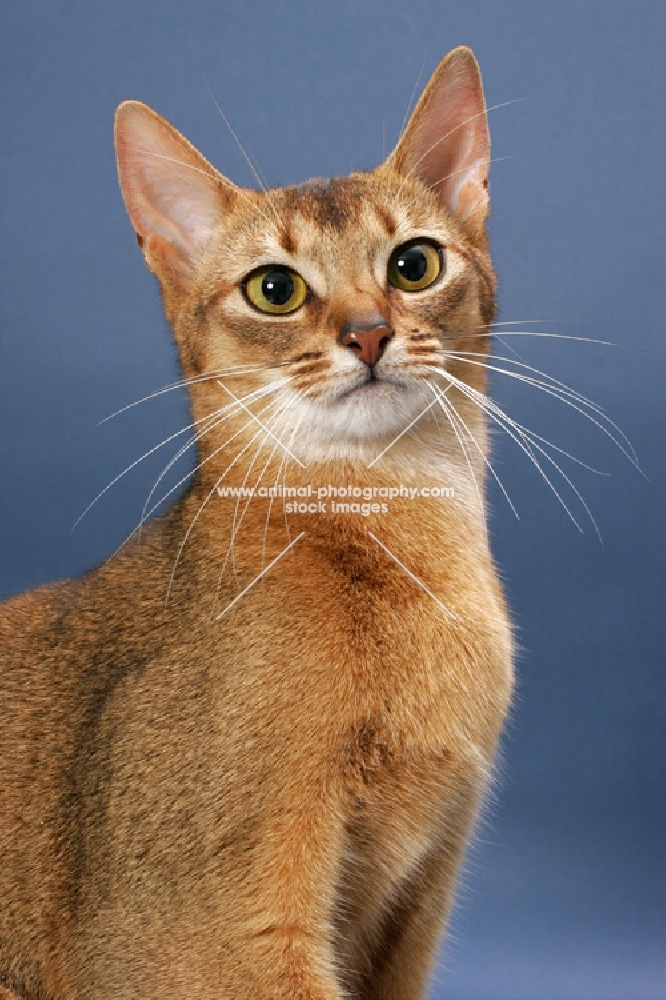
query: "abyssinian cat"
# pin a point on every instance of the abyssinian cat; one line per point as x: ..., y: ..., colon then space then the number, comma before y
x: 243, y: 758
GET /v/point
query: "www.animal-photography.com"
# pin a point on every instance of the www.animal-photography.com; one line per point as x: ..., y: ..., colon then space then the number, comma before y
x: 332, y: 534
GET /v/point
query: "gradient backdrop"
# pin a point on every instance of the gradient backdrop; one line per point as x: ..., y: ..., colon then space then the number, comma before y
x: 564, y: 894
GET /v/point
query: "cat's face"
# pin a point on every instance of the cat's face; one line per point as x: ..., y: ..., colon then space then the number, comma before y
x: 347, y: 296
x: 354, y: 288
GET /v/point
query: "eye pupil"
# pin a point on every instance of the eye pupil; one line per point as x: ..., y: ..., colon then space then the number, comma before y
x: 276, y: 290
x: 412, y: 264
x: 277, y: 287
x: 415, y: 265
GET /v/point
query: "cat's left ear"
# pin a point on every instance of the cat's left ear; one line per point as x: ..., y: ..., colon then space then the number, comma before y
x: 446, y: 143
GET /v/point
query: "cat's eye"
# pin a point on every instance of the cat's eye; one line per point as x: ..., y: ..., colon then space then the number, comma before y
x: 276, y: 290
x: 415, y: 265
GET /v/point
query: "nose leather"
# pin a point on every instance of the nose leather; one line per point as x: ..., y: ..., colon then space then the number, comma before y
x: 367, y: 337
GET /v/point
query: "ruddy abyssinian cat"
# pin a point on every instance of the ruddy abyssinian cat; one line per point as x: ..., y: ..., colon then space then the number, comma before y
x: 243, y: 758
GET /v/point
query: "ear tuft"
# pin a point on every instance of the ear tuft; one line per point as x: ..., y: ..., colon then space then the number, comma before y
x: 446, y: 143
x: 171, y: 191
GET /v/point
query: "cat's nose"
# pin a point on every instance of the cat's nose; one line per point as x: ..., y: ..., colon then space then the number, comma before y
x: 368, y: 337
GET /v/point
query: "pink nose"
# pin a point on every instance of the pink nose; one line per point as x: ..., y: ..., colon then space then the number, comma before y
x: 369, y: 339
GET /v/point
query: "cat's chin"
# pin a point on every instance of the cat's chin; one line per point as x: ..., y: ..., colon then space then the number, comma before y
x: 356, y: 423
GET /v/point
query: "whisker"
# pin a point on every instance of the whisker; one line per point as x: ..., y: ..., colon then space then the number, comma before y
x: 214, y: 422
x: 448, y: 407
x: 549, y: 335
x: 233, y: 372
x: 206, y: 501
x: 230, y: 393
x: 281, y: 467
x: 256, y: 173
x: 237, y: 521
x: 551, y: 380
x: 485, y: 458
x: 411, y: 99
x: 487, y: 332
x: 524, y: 440
x: 205, y: 461
x: 563, y: 395
x: 245, y: 155
x: 498, y: 416
x: 151, y: 451
x: 233, y: 409
x: 508, y: 347
x: 129, y: 468
x: 149, y: 513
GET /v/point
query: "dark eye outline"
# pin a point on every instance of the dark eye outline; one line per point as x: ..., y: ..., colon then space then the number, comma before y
x: 418, y: 242
x: 261, y: 272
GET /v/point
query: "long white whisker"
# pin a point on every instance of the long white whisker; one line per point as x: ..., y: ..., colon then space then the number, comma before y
x: 448, y: 407
x: 282, y: 466
x: 524, y: 441
x: 230, y: 410
x: 282, y: 445
x: 237, y: 521
x: 565, y: 396
x: 202, y: 463
x: 479, y: 449
x: 214, y: 421
x: 205, y: 503
x: 233, y: 372
x: 549, y: 335
x: 129, y: 468
x: 180, y: 482
x: 550, y: 379
x: 145, y: 455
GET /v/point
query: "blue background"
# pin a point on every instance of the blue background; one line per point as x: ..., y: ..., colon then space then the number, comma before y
x: 564, y: 894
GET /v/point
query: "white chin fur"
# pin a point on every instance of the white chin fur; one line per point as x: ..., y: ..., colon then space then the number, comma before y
x: 347, y: 427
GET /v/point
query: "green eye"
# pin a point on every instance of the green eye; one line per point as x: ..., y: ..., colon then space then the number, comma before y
x: 414, y: 266
x: 276, y: 290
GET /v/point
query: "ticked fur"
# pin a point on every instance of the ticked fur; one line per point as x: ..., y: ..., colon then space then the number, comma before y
x: 263, y: 785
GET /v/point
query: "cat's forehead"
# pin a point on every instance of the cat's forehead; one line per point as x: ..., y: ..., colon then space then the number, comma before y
x: 332, y: 204
x: 342, y: 214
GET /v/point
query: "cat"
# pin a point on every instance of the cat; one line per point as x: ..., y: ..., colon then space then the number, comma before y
x: 244, y: 758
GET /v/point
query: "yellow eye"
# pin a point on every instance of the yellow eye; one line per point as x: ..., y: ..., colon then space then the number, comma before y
x: 276, y: 290
x: 414, y: 266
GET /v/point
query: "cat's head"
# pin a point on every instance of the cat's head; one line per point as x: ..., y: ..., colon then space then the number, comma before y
x: 335, y: 307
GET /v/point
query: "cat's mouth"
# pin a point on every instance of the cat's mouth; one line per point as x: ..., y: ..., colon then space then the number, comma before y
x: 372, y: 383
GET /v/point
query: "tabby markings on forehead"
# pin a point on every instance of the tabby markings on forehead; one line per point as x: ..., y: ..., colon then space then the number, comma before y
x: 335, y: 203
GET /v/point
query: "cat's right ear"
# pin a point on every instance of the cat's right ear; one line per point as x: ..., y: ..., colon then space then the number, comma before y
x: 174, y: 197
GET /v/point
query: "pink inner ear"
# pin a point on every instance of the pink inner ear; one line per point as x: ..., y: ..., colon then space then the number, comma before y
x: 170, y: 190
x: 446, y: 143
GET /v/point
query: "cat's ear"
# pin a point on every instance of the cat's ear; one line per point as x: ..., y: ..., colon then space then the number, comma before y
x: 446, y: 143
x: 174, y: 197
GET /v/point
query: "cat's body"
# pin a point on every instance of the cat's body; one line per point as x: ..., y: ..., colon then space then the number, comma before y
x: 269, y: 795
